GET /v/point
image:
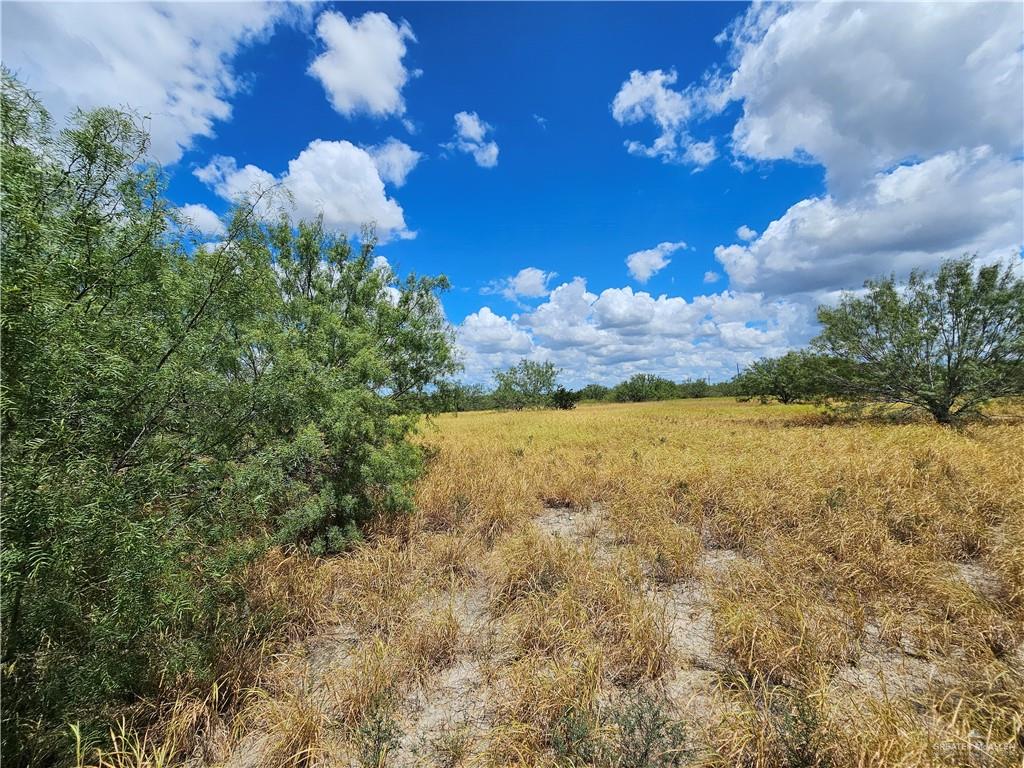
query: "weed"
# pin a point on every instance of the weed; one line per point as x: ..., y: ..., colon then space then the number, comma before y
x: 646, y: 735
x: 376, y: 737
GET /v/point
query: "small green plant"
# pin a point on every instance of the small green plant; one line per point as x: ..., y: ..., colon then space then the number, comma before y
x: 575, y: 738
x: 797, y: 725
x: 647, y: 737
x: 376, y: 737
x: 450, y: 748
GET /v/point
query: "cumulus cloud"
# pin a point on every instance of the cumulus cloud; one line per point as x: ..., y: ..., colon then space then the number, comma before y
x: 203, y: 220
x: 967, y: 201
x: 711, y: 277
x: 861, y: 87
x: 486, y: 341
x: 609, y: 336
x: 529, y: 283
x: 471, y: 137
x: 914, y: 112
x: 230, y: 182
x: 394, y: 160
x: 649, y: 96
x: 171, y: 62
x: 336, y: 178
x: 643, y: 265
x: 361, y: 67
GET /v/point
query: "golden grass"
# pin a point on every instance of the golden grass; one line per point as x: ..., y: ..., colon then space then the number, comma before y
x: 546, y: 548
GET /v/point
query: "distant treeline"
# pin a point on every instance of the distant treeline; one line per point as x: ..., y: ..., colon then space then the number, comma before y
x: 942, y: 344
x: 640, y: 388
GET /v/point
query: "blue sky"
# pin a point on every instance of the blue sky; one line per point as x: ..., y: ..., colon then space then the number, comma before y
x: 653, y: 187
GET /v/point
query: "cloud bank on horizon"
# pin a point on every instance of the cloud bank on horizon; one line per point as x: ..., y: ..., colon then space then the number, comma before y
x: 912, y: 114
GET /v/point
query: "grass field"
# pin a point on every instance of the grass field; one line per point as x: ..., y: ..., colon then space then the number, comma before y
x: 697, y: 582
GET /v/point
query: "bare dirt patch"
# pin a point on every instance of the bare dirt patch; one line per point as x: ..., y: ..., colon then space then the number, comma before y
x: 571, y: 523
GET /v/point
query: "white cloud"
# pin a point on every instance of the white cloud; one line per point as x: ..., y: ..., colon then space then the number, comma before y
x: 968, y: 201
x: 647, y: 95
x: 913, y: 110
x: 643, y: 265
x: 471, y: 138
x: 711, y: 277
x: 230, y: 182
x: 394, y: 160
x: 541, y: 121
x: 529, y: 283
x: 609, y: 336
x: 361, y: 67
x: 861, y: 87
x: 203, y: 220
x: 171, y: 62
x: 334, y: 177
x: 487, y: 341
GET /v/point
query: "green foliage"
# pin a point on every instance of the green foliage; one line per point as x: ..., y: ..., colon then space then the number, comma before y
x: 172, y: 409
x: 525, y: 385
x: 637, y: 731
x: 564, y: 399
x: 945, y: 343
x: 796, y: 376
x: 577, y: 739
x: 647, y: 736
x: 695, y: 388
x: 644, y: 387
x: 594, y: 392
x: 454, y: 397
x: 798, y: 728
x: 376, y: 737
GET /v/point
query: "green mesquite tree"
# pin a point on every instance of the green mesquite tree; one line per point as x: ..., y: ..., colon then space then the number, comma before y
x: 943, y: 343
x: 170, y: 409
x: 525, y: 385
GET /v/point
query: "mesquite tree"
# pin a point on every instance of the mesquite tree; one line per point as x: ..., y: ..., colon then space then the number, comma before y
x: 944, y: 343
x: 170, y: 409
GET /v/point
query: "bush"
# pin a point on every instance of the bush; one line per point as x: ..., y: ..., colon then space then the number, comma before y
x: 525, y: 385
x: 647, y: 736
x: 694, y: 388
x: 644, y: 387
x: 794, y: 377
x: 172, y: 409
x: 594, y: 392
x: 564, y: 399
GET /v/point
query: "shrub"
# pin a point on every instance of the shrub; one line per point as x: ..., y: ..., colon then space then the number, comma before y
x: 647, y: 737
x: 594, y: 392
x: 564, y: 399
x: 791, y: 378
x: 525, y: 385
x: 170, y: 410
x: 644, y: 387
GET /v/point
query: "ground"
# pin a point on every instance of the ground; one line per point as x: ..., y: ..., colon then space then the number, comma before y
x: 698, y: 582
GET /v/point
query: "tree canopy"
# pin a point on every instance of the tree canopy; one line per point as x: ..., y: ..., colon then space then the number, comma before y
x: 172, y: 408
x: 794, y: 377
x: 943, y: 343
x: 527, y: 384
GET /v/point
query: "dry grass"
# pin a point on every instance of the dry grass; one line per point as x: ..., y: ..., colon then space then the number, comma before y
x: 862, y: 584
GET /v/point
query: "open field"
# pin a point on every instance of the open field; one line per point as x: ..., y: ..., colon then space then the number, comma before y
x: 693, y: 582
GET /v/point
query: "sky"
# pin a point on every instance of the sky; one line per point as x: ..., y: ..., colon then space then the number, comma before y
x: 668, y: 188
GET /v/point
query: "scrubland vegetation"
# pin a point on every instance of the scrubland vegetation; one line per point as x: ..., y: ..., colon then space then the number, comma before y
x: 232, y: 537
x: 688, y: 583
